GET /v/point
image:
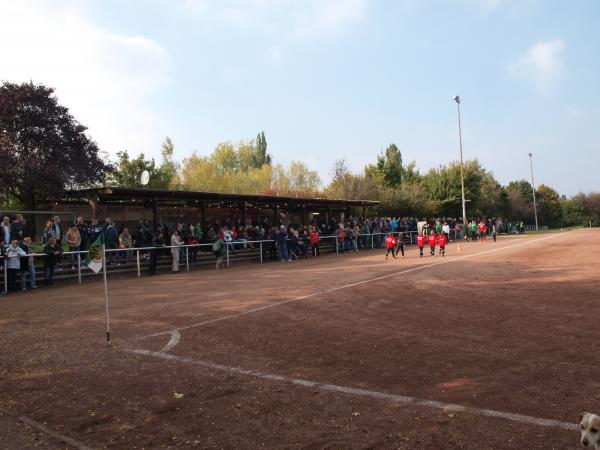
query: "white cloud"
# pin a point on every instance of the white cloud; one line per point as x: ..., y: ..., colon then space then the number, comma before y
x: 329, y: 16
x: 513, y: 7
x: 194, y: 6
x: 486, y: 5
x: 300, y: 19
x: 275, y: 54
x: 542, y: 65
x: 104, y: 78
x: 572, y: 111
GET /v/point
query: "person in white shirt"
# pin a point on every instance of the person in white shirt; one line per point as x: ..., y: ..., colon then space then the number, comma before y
x: 446, y: 229
x: 14, y: 253
x: 5, y: 231
x: 176, y: 242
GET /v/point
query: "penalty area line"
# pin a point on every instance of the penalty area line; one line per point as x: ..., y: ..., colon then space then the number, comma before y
x: 338, y: 389
x: 44, y: 429
x: 345, y: 286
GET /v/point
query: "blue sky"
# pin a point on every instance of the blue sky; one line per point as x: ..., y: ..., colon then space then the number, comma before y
x: 326, y: 79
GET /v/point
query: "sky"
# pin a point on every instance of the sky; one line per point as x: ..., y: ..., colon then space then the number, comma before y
x: 326, y: 79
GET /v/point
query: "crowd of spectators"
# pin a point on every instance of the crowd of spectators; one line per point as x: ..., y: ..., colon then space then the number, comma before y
x: 283, y: 241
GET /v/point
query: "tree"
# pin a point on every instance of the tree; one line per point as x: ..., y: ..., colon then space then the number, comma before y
x: 592, y: 206
x: 301, y: 180
x: 261, y: 157
x: 345, y: 185
x: 493, y: 198
x: 388, y: 167
x: 226, y: 158
x: 574, y: 210
x: 43, y: 150
x: 520, y: 200
x: 165, y: 176
x: 549, y: 208
x: 522, y: 186
x: 127, y: 172
x: 444, y: 187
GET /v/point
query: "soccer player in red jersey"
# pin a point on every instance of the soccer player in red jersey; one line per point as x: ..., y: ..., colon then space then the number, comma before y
x: 421, y: 243
x: 390, y: 243
x: 481, y: 230
x: 431, y: 240
x: 442, y: 240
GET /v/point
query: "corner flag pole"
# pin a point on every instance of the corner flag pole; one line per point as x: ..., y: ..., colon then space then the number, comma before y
x: 106, y: 294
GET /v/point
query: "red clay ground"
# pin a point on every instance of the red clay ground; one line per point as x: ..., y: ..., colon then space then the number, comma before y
x: 513, y: 330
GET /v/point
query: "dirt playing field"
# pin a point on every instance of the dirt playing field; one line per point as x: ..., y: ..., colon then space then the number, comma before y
x: 495, y: 346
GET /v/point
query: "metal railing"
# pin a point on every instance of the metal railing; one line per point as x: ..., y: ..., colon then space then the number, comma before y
x: 189, y: 252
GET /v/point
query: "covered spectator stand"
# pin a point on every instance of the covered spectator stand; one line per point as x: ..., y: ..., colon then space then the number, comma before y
x: 127, y: 206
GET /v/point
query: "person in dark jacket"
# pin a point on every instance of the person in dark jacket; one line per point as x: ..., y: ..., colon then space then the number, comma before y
x: 83, y: 233
x: 52, y: 251
x: 111, y: 237
x: 94, y: 230
x: 282, y: 246
x: 18, y: 228
x: 157, y: 242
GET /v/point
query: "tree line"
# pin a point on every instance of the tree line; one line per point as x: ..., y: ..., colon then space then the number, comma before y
x: 46, y: 150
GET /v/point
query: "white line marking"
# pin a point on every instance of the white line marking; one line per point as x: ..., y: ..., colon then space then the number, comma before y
x: 175, y: 336
x: 345, y: 286
x: 403, y: 399
x: 45, y: 429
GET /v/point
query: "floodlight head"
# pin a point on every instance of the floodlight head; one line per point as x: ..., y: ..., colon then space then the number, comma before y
x: 456, y: 98
x: 145, y: 177
x: 530, y: 154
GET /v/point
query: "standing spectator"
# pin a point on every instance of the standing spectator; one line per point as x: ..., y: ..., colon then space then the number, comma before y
x: 139, y: 237
x: 52, y: 251
x: 446, y: 228
x: 94, y: 230
x: 293, y: 244
x: 13, y: 254
x: 73, y: 239
x: 302, y: 244
x: 6, y: 231
x: 48, y: 232
x: 111, y: 237
x: 341, y: 238
x: 192, y: 239
x: 125, y: 244
x: 198, y: 231
x: 83, y: 233
x: 176, y: 243
x: 473, y: 230
x: 220, y: 252
x: 157, y: 242
x: 28, y: 265
x: 458, y: 231
x: 282, y: 246
x: 57, y: 230
x: 314, y: 241
x: 18, y: 228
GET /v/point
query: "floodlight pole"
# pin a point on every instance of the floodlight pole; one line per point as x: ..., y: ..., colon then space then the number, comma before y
x: 106, y: 294
x: 462, y: 175
x: 533, y: 189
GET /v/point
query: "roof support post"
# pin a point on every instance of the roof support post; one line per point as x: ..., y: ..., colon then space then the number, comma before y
x: 155, y: 213
x: 204, y: 230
